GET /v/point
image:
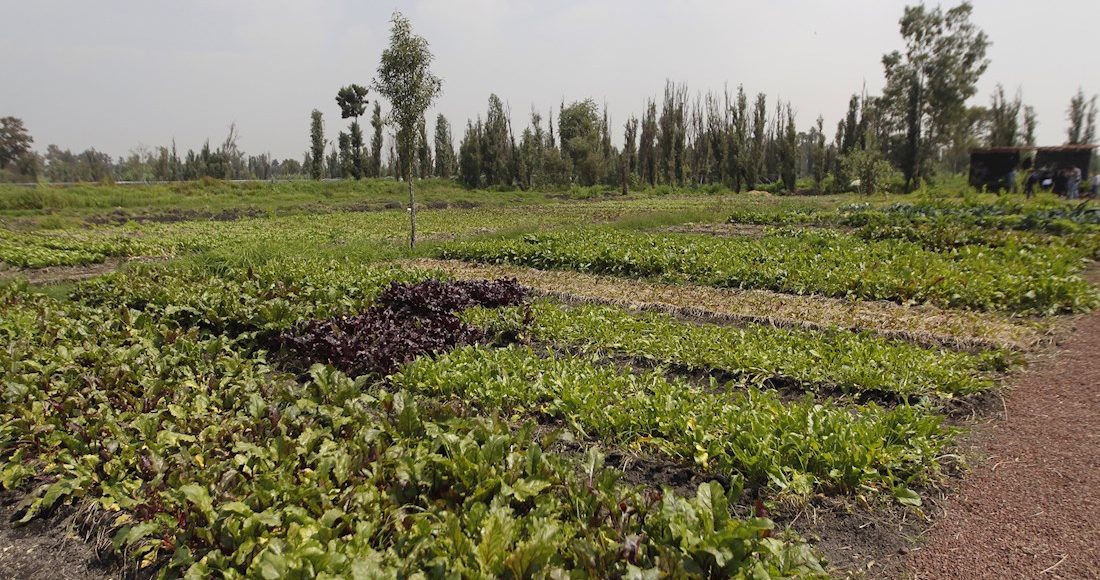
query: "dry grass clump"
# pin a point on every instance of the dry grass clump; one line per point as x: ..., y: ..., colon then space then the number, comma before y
x: 922, y: 324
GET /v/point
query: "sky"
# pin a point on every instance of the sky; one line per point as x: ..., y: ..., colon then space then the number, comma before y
x: 115, y: 74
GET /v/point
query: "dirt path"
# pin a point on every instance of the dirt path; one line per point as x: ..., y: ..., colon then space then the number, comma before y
x: 55, y: 274
x: 1032, y: 508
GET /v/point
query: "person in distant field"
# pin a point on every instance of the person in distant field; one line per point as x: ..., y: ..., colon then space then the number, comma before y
x: 1073, y: 182
x: 1010, y: 181
x: 1094, y: 191
x: 1030, y: 183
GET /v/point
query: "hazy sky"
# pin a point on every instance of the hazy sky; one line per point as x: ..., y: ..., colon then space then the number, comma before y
x: 114, y: 74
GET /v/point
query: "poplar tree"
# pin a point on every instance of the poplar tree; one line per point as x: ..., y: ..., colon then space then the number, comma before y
x: 1082, y: 119
x: 352, y: 101
x: 423, y: 151
x: 332, y: 162
x: 755, y: 167
x: 818, y: 154
x: 535, y: 147
x: 469, y: 156
x: 717, y: 129
x: 737, y: 152
x: 376, y: 141
x: 647, y: 145
x: 495, y: 144
x: 630, y: 144
x: 672, y: 135
x: 788, y: 168
x: 444, y: 148
x: 1030, y: 124
x: 1004, y: 125
x: 317, y: 146
x: 346, y: 162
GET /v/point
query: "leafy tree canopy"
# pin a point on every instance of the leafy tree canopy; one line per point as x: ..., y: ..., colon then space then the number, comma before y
x: 352, y: 100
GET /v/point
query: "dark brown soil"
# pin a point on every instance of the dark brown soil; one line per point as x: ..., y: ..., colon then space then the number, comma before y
x: 1030, y: 509
x: 659, y: 473
x: 856, y: 539
x: 47, y: 549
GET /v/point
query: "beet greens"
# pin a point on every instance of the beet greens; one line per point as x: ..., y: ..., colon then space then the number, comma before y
x: 408, y: 320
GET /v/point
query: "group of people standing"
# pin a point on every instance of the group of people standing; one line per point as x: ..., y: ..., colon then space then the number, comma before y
x: 1067, y: 180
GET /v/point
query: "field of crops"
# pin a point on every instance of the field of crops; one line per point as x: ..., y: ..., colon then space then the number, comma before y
x: 302, y: 396
x: 1022, y: 280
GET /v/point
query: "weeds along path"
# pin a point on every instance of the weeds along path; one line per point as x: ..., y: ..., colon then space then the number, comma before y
x: 1030, y: 510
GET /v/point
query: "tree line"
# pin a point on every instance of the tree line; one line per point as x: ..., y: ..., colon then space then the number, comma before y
x: 920, y: 125
x: 20, y: 163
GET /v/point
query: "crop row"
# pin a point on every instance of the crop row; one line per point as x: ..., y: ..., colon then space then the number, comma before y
x: 238, y: 304
x: 268, y: 298
x: 803, y: 359
x: 1018, y: 280
x: 793, y: 447
x: 41, y: 250
x: 1050, y: 217
x: 200, y: 459
x: 278, y: 296
x: 360, y: 234
x: 941, y: 225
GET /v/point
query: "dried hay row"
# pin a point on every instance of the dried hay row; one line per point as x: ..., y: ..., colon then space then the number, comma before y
x: 924, y: 325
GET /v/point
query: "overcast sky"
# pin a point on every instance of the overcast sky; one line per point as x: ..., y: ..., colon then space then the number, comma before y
x: 113, y: 74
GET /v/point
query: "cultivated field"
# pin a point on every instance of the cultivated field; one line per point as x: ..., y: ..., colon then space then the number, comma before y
x: 235, y: 381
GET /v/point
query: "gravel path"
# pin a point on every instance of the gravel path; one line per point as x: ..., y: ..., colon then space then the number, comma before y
x: 1032, y: 509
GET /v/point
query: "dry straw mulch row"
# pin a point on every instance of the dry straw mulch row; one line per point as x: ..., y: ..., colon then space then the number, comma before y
x: 926, y: 325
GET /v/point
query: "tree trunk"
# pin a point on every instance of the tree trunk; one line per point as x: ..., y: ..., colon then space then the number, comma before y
x: 412, y: 209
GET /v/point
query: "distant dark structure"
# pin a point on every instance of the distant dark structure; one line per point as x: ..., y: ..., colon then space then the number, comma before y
x: 991, y: 167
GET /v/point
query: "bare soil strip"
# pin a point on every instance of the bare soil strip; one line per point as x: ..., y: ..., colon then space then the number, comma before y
x: 926, y: 325
x: 47, y: 549
x: 723, y: 230
x: 1032, y: 508
x: 57, y: 274
x: 733, y: 230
